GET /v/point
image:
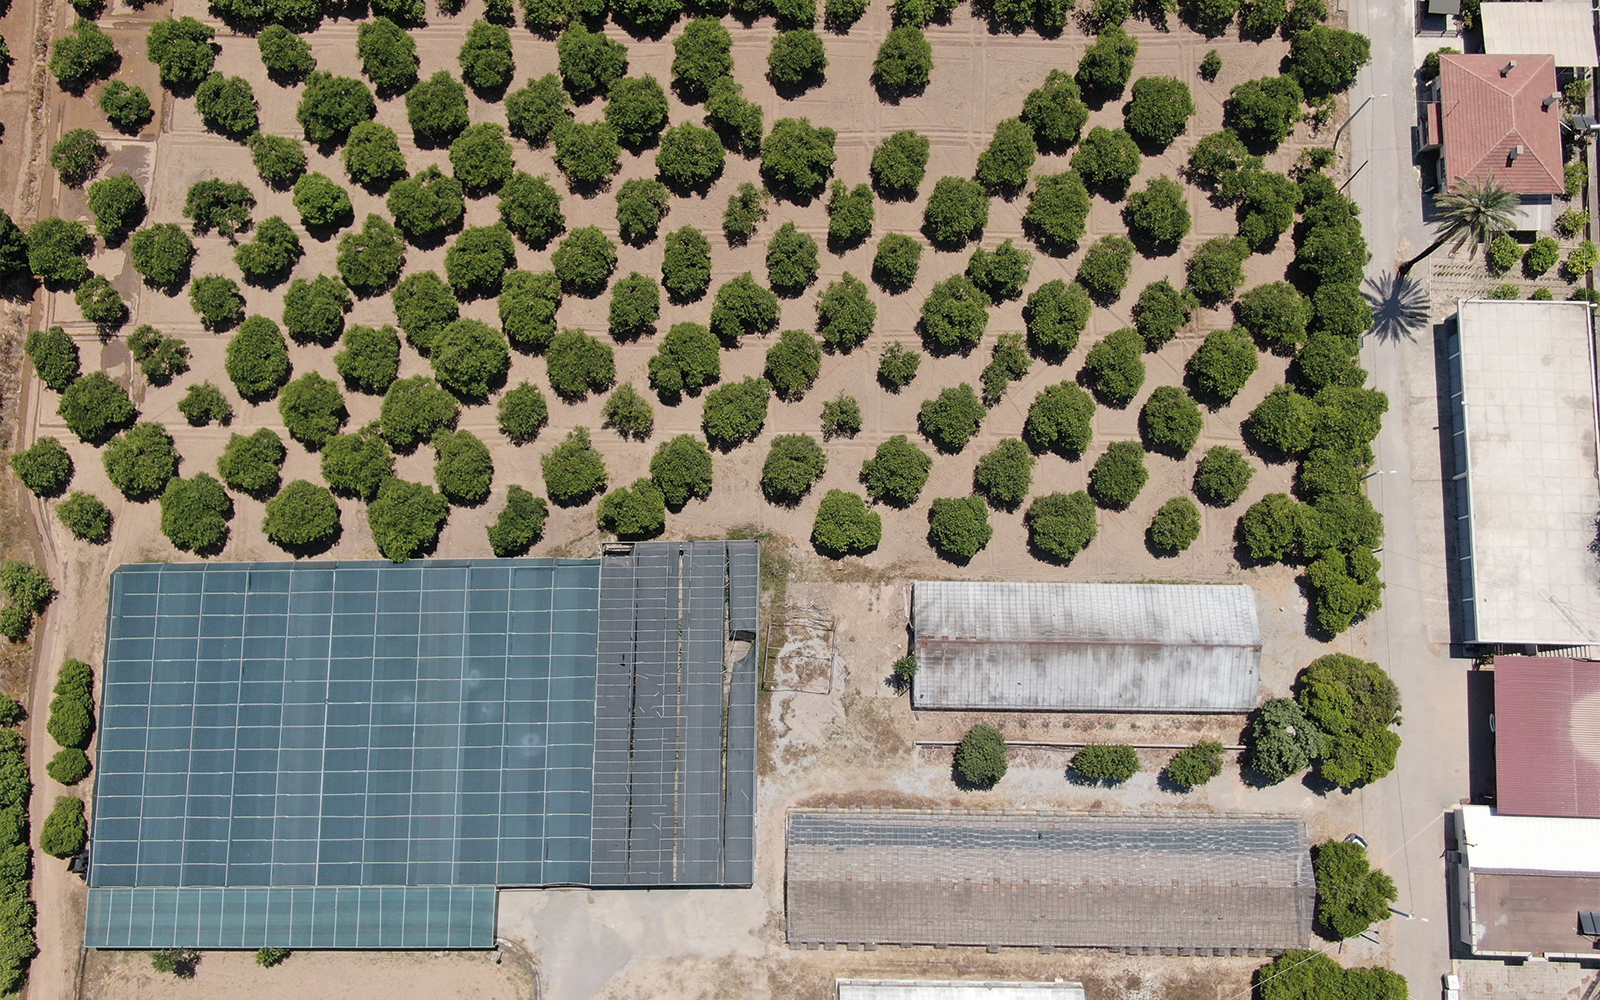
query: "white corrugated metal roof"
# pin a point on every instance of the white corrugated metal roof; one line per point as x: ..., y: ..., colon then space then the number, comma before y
x: 1529, y: 844
x: 1086, y: 647
x: 1561, y: 29
x: 949, y: 989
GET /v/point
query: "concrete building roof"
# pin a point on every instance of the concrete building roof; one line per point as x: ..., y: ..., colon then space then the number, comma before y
x: 1561, y: 29
x: 1492, y: 107
x: 1531, y: 915
x: 1048, y: 880
x: 954, y: 989
x: 1529, y: 845
x: 1524, y: 403
x: 1094, y: 647
x: 1547, y: 737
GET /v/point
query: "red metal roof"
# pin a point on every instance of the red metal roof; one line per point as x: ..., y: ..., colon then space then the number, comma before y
x: 1547, y: 736
x: 1487, y: 115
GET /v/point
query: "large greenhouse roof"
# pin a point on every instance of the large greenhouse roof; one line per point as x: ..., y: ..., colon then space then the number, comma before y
x: 357, y: 754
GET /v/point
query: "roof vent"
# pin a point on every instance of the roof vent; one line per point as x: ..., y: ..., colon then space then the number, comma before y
x: 1553, y: 98
x: 1515, y: 152
x: 1508, y: 67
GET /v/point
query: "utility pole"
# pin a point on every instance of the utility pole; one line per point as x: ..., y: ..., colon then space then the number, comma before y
x: 1357, y: 111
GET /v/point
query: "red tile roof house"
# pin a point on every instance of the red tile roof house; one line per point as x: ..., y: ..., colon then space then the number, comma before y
x: 1498, y: 116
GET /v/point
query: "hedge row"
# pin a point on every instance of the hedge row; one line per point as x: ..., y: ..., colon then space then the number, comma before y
x: 17, y: 911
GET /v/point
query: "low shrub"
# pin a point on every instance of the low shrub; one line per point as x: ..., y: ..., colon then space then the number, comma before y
x: 1176, y: 525
x: 45, y: 468
x: 844, y: 526
x: 950, y: 419
x: 519, y: 524
x: 1118, y: 475
x: 69, y: 766
x: 65, y: 831
x: 1223, y: 364
x: 86, y: 517
x: 980, y: 759
x: 1056, y: 314
x: 1541, y: 257
x: 303, y: 517
x: 841, y: 417
x: 1106, y: 763
x: 1196, y: 765
x: 794, y: 463
x: 1170, y: 421
x: 1103, y: 272
x: 736, y: 412
x: 1580, y: 261
x: 405, y: 519
x: 195, y: 514
x: 1004, y: 475
x: 958, y: 527
x: 633, y: 512
x: 1115, y: 367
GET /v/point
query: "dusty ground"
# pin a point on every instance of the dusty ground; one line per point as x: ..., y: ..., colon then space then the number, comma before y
x: 312, y: 976
x: 834, y: 732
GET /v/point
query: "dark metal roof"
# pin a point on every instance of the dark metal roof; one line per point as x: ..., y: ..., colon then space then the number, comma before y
x: 1059, y: 880
x: 1547, y: 736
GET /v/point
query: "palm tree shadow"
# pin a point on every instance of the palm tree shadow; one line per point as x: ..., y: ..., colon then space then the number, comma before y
x: 1400, y: 306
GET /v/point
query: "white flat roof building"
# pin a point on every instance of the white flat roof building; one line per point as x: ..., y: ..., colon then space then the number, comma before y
x: 1561, y: 29
x: 1525, y: 885
x: 1524, y: 441
x: 954, y: 989
x: 1530, y: 845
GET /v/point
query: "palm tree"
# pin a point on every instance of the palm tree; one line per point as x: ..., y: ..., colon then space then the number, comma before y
x: 1474, y: 213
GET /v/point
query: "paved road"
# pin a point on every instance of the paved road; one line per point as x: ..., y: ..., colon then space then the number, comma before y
x: 1403, y: 814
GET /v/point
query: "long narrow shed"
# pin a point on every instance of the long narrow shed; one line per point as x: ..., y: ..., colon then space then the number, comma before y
x: 1214, y: 884
x: 1089, y: 647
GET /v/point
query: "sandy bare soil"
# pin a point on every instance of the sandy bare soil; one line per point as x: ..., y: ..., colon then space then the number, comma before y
x: 113, y: 975
x: 833, y: 730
